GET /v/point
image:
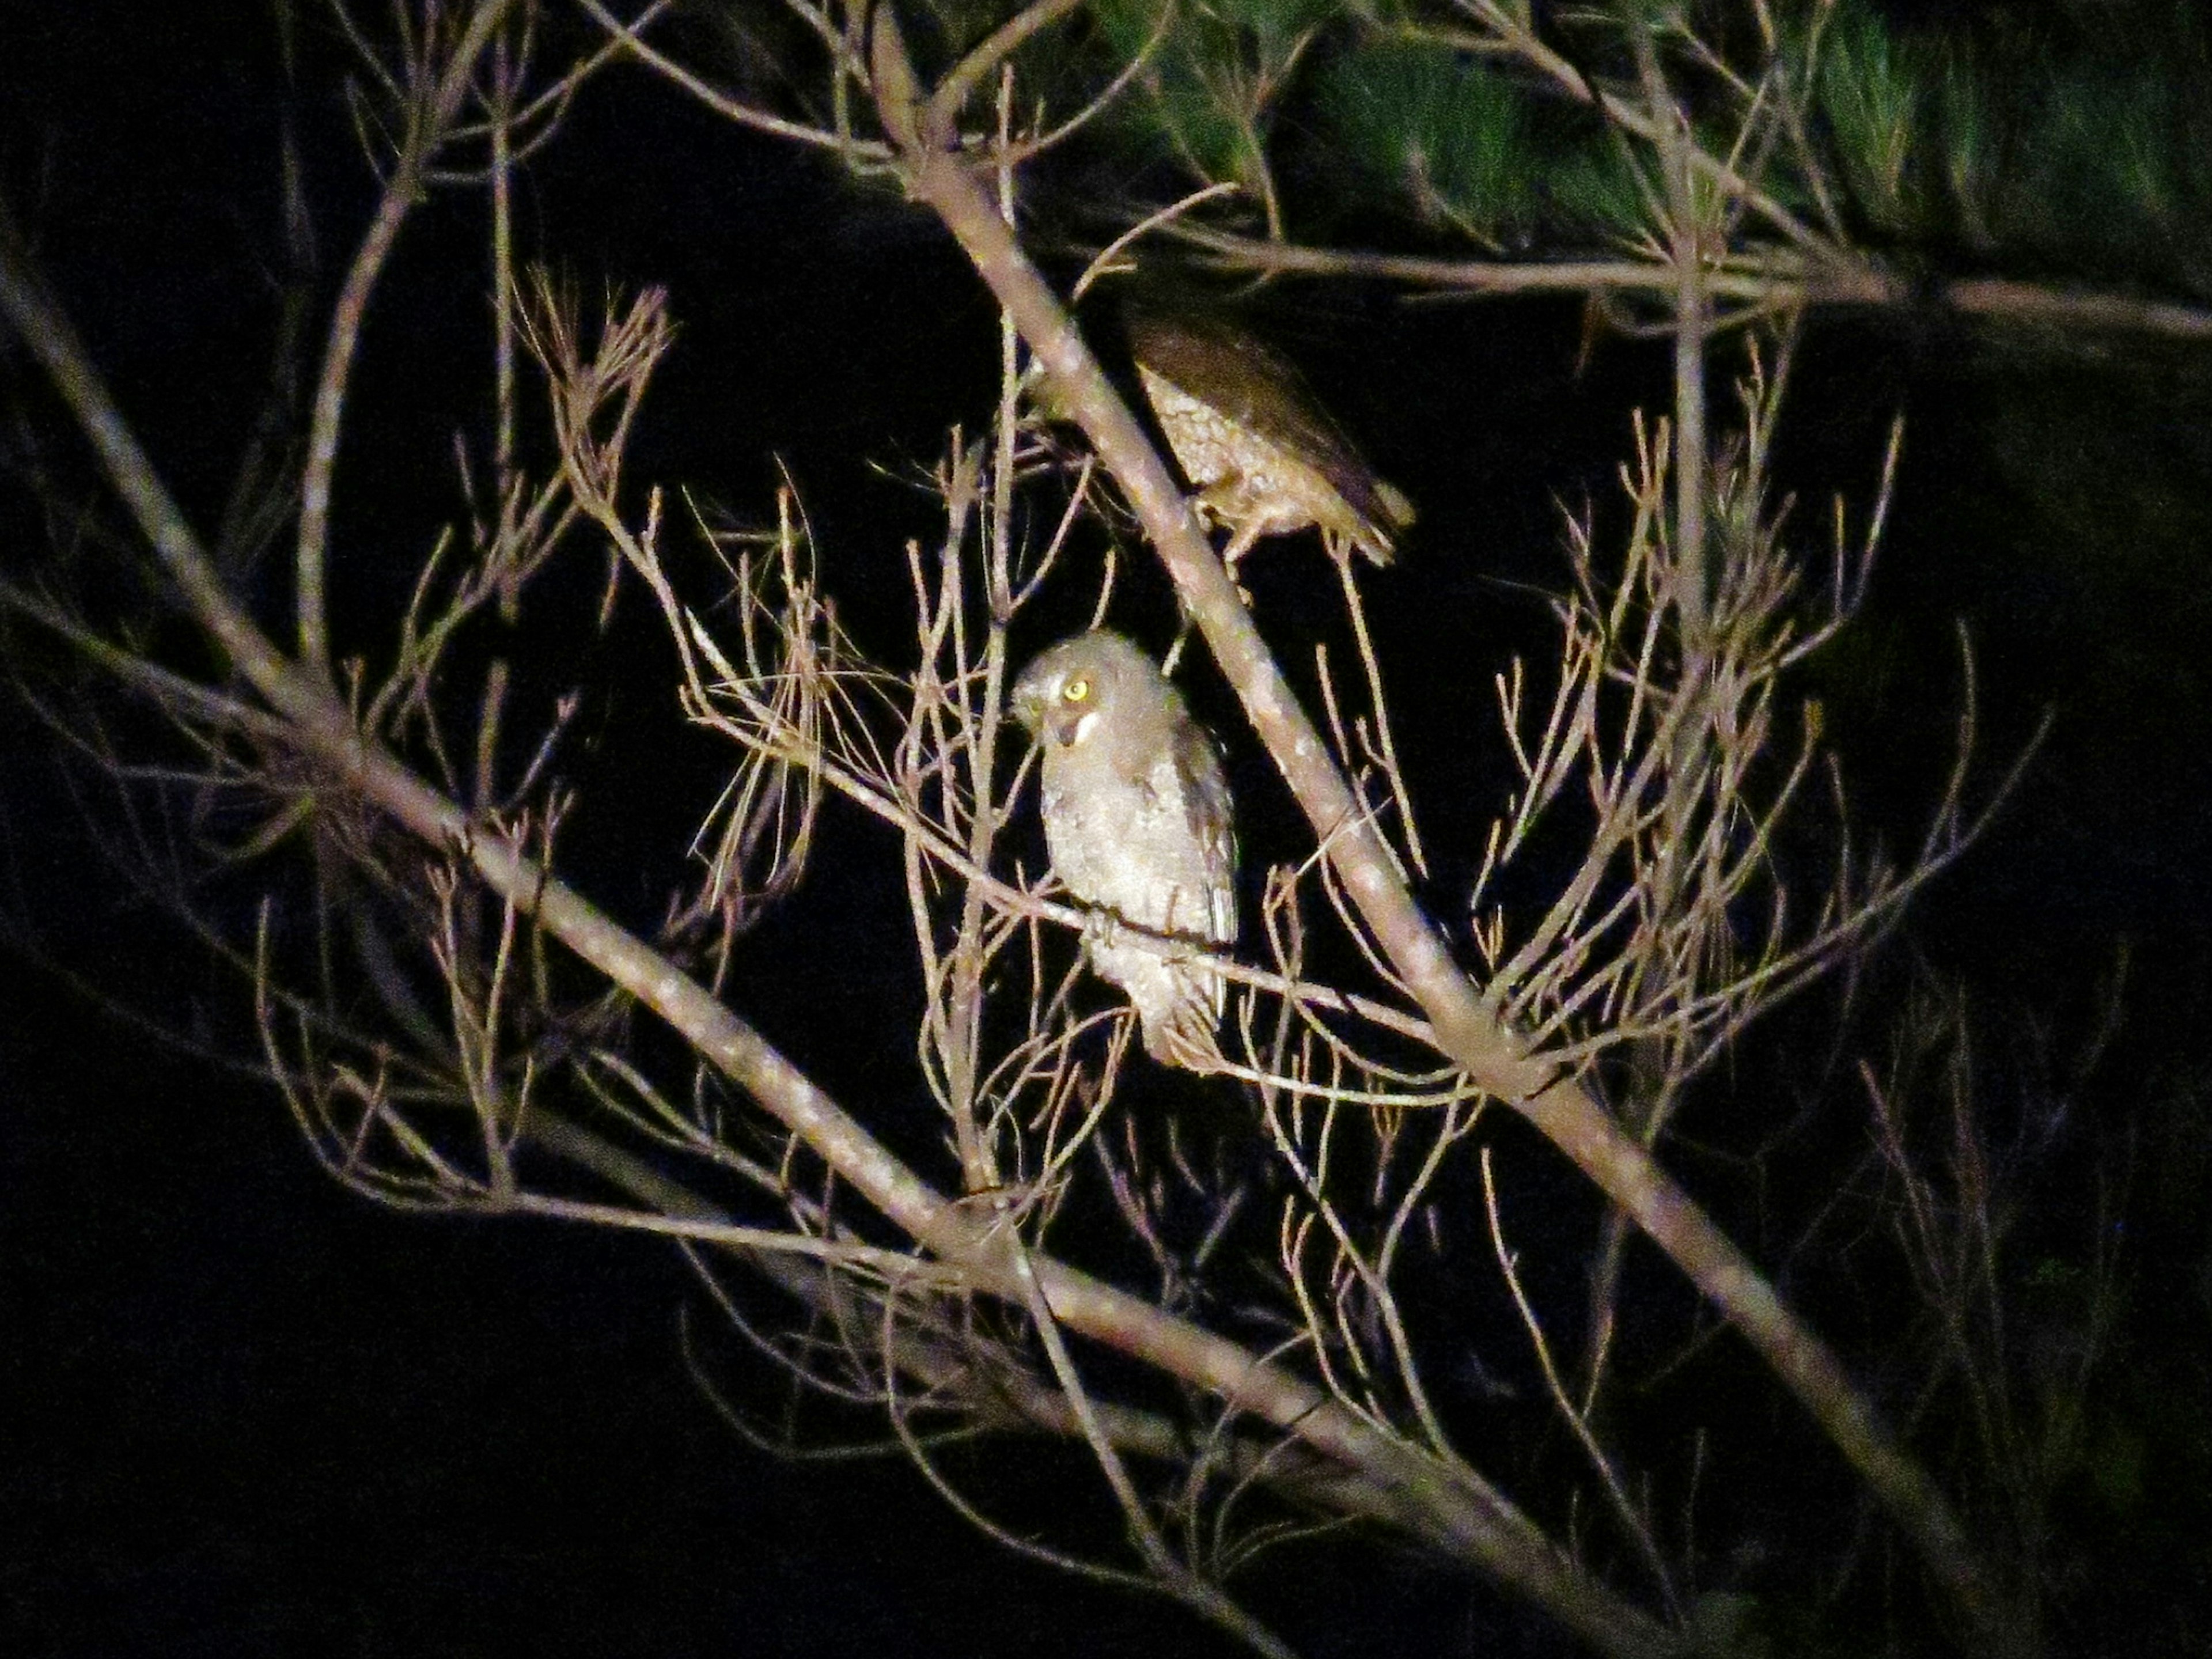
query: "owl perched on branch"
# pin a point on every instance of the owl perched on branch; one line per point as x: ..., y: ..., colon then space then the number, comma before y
x: 1137, y: 820
x: 1264, y: 456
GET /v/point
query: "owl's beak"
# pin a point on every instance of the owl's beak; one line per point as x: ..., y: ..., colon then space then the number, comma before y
x: 1049, y: 718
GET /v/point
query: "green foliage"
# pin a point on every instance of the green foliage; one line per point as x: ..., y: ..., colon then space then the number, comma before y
x: 1440, y: 126
x: 1473, y: 148
x: 1989, y: 141
x: 2093, y: 152
x: 1968, y: 124
x: 1594, y: 188
x: 1873, y: 92
x: 1213, y: 85
x: 2116, y: 153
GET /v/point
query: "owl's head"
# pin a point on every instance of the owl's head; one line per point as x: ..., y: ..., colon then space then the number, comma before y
x: 1070, y: 689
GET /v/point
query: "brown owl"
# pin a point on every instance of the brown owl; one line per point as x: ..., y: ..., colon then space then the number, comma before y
x: 1137, y: 820
x: 1264, y: 456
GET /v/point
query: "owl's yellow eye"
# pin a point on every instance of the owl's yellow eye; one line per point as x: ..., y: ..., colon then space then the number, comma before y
x: 1076, y: 690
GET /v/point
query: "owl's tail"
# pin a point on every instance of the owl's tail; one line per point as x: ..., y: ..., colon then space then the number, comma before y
x: 1186, y: 1032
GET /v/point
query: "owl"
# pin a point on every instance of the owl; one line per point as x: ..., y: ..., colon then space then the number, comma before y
x: 1265, y: 458
x: 1137, y: 822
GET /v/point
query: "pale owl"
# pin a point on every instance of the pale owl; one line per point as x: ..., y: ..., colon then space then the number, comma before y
x: 1137, y: 821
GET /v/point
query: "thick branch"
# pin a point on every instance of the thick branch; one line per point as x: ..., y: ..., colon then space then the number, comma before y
x: 1783, y: 280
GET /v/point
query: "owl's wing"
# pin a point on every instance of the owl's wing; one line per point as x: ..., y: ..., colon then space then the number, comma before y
x: 1212, y: 825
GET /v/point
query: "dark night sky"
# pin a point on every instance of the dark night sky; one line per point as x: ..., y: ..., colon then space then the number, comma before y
x: 254, y: 1414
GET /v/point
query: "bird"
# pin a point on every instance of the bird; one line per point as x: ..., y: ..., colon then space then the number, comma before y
x: 1264, y: 456
x: 1140, y: 829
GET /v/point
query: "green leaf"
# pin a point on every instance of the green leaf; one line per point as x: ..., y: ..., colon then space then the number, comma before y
x: 1871, y: 95
x: 1443, y: 127
x: 1213, y: 83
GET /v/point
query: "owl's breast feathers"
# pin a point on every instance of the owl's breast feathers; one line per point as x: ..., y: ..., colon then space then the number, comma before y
x: 1150, y: 843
